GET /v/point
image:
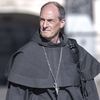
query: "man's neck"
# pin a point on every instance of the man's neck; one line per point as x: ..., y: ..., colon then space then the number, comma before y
x: 55, y: 39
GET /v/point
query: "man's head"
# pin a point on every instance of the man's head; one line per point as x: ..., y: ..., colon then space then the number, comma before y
x: 52, y: 20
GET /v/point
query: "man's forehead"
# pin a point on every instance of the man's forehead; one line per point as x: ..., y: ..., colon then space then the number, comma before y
x: 49, y: 13
x: 50, y: 18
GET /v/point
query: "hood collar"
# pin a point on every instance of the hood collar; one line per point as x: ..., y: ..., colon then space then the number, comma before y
x: 43, y: 42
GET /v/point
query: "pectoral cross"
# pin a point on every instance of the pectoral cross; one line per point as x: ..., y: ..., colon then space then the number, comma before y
x: 56, y: 88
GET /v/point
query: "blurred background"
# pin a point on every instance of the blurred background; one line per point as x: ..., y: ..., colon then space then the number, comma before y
x: 19, y: 19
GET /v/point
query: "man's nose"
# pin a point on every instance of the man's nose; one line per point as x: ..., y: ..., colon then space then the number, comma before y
x: 45, y: 24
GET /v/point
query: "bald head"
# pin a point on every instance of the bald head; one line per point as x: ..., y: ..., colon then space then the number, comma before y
x: 55, y: 6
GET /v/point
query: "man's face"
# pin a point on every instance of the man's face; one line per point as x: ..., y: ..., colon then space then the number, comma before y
x: 50, y: 24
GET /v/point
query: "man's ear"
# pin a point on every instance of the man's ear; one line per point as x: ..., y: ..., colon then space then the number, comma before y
x: 62, y: 23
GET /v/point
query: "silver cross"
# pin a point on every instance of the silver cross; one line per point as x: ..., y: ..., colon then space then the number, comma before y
x: 56, y: 88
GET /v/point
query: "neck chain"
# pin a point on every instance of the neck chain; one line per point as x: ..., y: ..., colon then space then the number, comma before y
x: 58, y: 68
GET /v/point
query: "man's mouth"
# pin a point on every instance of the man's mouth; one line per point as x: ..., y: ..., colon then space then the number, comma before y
x: 45, y: 30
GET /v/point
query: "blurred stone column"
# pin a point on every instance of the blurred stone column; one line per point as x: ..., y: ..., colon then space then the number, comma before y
x: 79, y: 22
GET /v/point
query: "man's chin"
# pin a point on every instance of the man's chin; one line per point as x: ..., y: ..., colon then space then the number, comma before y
x: 45, y: 35
x: 48, y: 38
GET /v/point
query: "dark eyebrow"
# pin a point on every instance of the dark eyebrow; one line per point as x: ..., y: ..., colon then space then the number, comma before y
x: 46, y: 19
x: 50, y: 20
x: 42, y: 18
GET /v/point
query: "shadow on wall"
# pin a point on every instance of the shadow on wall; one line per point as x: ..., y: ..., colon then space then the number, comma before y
x: 15, y: 30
